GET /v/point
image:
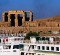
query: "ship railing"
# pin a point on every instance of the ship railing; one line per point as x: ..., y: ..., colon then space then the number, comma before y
x: 47, y: 42
x: 42, y: 42
x: 15, y: 34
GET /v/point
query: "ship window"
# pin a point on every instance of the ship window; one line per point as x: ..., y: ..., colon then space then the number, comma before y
x: 16, y: 47
x: 16, y: 39
x: 52, y: 48
x: 47, y: 39
x: 43, y: 38
x: 6, y: 47
x: 6, y: 40
x: 32, y: 46
x: 21, y: 45
x: 43, y: 48
x: 47, y: 48
x: 38, y: 47
x: 32, y: 53
x: 22, y: 53
x: 57, y: 48
x: 0, y: 40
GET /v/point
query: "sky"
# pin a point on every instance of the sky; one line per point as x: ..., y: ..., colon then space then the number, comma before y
x: 40, y: 8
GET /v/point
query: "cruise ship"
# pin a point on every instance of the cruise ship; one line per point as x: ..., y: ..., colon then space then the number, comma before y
x: 17, y: 44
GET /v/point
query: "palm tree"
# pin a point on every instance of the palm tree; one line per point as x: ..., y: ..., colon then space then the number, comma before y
x: 31, y: 34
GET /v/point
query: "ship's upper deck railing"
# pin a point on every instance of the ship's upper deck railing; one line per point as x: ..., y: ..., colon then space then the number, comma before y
x: 44, y: 40
x: 48, y: 42
x: 37, y: 40
x: 13, y: 35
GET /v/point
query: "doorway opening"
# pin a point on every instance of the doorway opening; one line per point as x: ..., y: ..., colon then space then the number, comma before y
x: 12, y: 17
x: 20, y: 17
x: 6, y: 17
x: 27, y: 16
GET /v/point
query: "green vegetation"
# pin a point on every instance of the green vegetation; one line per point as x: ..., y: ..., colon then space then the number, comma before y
x: 32, y: 34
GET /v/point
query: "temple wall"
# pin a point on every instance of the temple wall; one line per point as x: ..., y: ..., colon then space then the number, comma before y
x: 52, y: 23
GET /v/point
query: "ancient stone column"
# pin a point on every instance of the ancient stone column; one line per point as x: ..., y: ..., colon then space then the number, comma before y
x: 3, y: 16
x: 23, y: 20
x: 30, y: 16
x: 8, y: 17
x: 16, y: 20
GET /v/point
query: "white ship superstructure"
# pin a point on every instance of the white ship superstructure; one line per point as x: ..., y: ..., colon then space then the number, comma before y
x: 15, y: 44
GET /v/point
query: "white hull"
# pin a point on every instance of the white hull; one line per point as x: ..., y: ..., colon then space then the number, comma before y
x: 17, y: 46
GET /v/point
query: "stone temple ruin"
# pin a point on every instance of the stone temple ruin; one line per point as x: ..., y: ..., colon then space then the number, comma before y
x: 22, y: 21
x: 17, y: 18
